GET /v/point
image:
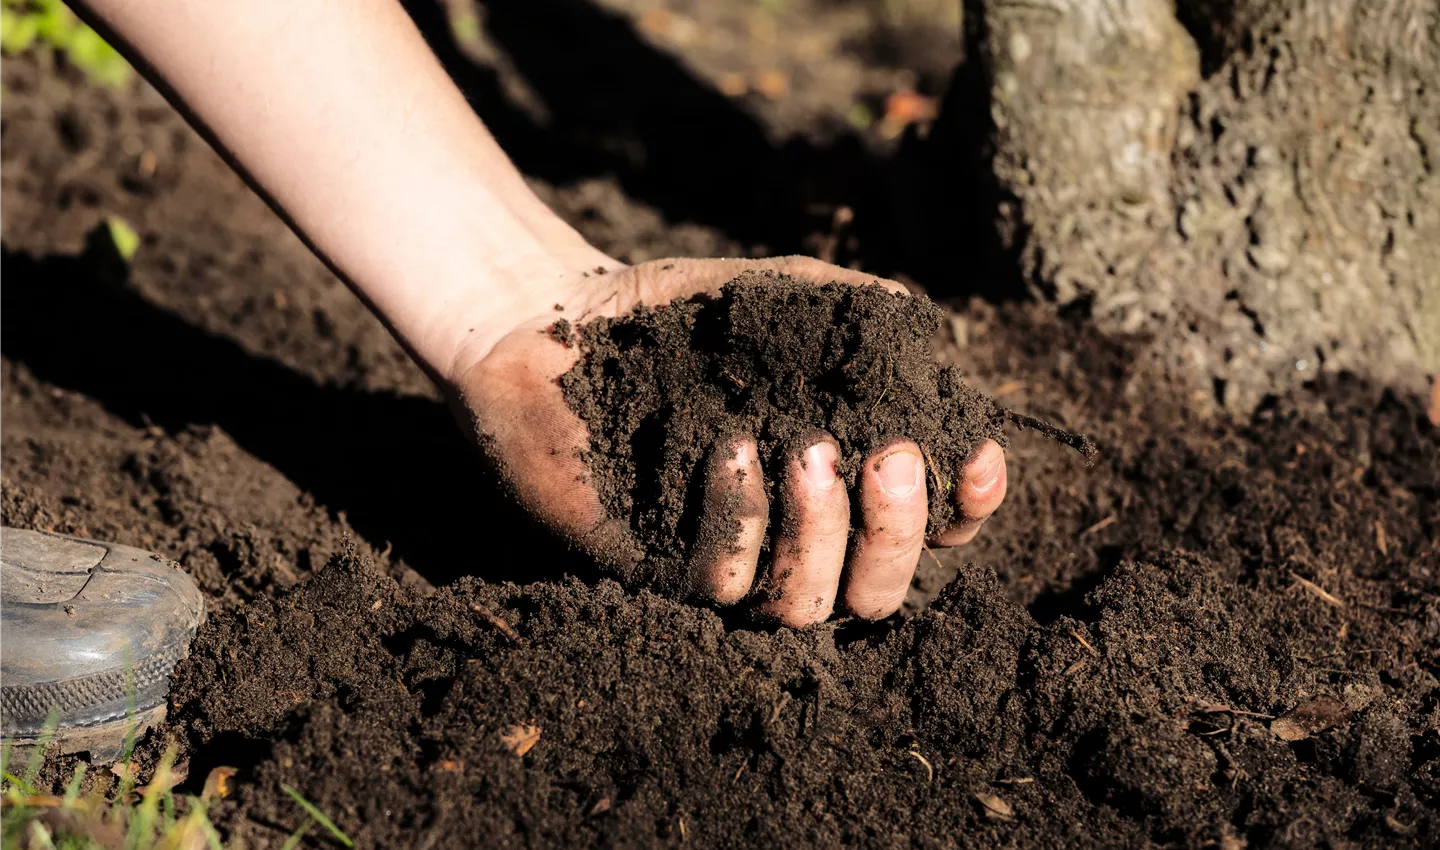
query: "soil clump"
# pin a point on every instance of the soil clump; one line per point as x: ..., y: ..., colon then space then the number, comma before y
x: 775, y: 359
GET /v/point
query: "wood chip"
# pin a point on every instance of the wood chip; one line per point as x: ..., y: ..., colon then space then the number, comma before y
x: 994, y: 807
x: 452, y: 766
x: 601, y: 806
x: 1380, y: 539
x: 520, y: 739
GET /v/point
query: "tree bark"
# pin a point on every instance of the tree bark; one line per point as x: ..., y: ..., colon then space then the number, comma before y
x: 1277, y: 216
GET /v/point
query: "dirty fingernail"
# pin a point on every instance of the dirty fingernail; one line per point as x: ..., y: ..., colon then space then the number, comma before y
x: 990, y: 472
x: 744, y: 453
x: 820, y: 465
x: 900, y: 474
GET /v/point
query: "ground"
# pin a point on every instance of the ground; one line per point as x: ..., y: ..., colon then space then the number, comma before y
x: 1223, y: 634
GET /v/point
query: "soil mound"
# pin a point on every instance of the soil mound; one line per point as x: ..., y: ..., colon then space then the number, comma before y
x: 772, y: 358
x: 1191, y: 706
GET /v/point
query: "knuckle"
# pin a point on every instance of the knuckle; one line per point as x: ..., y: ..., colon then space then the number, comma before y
x: 898, y: 538
x: 877, y: 605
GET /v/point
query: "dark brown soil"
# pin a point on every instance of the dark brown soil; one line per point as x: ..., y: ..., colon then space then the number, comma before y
x: 1248, y: 664
x: 1224, y: 634
x: 776, y: 360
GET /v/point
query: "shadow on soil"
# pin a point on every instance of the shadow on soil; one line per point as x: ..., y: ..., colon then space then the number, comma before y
x: 617, y: 106
x: 396, y: 465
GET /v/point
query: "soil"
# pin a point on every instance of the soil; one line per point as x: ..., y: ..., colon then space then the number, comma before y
x: 1225, y: 633
x: 777, y: 360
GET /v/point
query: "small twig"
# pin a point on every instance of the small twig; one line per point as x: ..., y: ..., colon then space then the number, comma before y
x: 1023, y: 780
x: 1318, y: 590
x: 503, y: 627
x: 932, y: 556
x: 1225, y: 709
x: 1102, y: 524
x: 1079, y: 442
x: 1085, y: 643
x: 934, y: 473
x: 876, y: 406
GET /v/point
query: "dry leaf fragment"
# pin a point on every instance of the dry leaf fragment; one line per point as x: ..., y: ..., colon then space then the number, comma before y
x: 217, y: 783
x: 520, y: 739
x: 601, y: 806
x: 1309, y: 718
x: 994, y: 807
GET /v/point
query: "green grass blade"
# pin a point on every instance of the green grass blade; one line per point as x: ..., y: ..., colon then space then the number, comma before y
x: 318, y: 815
x: 37, y: 758
x: 72, y: 791
x: 298, y: 835
x: 142, y: 823
x: 17, y: 784
x: 212, y: 836
x: 5, y: 755
x: 40, y: 836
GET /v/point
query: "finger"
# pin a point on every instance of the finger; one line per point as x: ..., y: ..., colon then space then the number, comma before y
x: 981, y: 490
x: 893, y: 513
x: 732, y: 523
x: 809, y: 546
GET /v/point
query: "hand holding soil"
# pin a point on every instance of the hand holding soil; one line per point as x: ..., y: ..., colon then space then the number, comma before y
x: 514, y: 394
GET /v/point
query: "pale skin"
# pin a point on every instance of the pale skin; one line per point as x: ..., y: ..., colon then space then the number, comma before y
x: 340, y: 115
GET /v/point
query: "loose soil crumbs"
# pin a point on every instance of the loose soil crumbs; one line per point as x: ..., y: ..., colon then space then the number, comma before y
x: 776, y: 359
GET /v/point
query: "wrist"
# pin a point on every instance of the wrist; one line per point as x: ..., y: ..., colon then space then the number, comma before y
x: 499, y: 290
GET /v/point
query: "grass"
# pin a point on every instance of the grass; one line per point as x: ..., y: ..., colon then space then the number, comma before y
x: 47, y: 24
x: 150, y: 817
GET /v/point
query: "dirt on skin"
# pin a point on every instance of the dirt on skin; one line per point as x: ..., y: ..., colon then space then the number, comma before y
x: 776, y: 360
x: 1224, y: 633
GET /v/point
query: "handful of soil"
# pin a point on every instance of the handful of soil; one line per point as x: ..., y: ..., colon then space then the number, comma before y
x: 781, y: 361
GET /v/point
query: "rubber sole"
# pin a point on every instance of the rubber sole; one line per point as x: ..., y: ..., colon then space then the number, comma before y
x: 89, y: 633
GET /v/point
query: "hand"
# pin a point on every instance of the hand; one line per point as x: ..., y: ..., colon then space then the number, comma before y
x: 509, y: 388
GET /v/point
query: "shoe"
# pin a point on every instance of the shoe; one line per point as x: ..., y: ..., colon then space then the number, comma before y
x: 89, y: 631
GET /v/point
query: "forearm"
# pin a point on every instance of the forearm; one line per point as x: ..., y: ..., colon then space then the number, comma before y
x: 339, y: 112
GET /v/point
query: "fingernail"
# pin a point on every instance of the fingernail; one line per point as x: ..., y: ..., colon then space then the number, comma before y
x: 900, y: 473
x: 987, y: 476
x: 744, y: 453
x: 820, y: 465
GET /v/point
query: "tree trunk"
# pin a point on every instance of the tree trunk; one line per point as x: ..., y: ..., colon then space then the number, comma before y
x: 1277, y: 216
